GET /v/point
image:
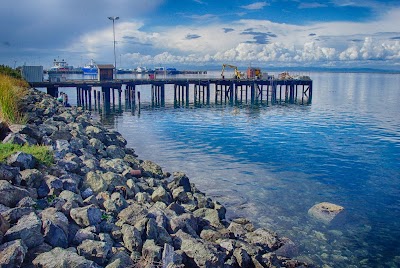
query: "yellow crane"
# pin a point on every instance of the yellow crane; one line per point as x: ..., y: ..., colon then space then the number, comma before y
x: 237, y: 75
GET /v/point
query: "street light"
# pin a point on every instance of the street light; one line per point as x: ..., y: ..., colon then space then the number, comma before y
x: 115, y: 58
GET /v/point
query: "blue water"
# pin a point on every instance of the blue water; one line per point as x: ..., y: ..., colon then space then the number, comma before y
x: 272, y: 163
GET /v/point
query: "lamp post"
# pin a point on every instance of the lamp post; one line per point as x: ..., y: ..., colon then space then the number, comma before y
x: 115, y: 58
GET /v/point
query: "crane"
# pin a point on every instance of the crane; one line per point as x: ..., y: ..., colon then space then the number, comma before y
x: 238, y: 75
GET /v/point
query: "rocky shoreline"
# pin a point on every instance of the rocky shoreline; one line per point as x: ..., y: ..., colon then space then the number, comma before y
x: 99, y: 205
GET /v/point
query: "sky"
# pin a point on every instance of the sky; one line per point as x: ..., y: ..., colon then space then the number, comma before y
x: 202, y: 33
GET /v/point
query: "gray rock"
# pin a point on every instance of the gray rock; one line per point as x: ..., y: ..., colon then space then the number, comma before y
x: 4, y: 226
x: 12, y: 254
x: 264, y: 238
x: 120, y: 260
x: 95, y: 182
x: 20, y: 139
x: 10, y: 195
x: 30, y: 130
x: 204, y: 254
x: 56, y: 217
x: 31, y: 178
x: 96, y: 251
x: 95, y: 132
x: 115, y: 138
x: 180, y: 179
x: 151, y: 252
x: 28, y: 229
x: 115, y: 152
x: 60, y: 258
x: 68, y: 165
x: 209, y: 215
x: 242, y: 258
x: 54, y: 235
x: 325, y: 212
x: 288, y: 249
x: 10, y: 174
x: 27, y: 202
x: 87, y: 193
x: 61, y: 135
x: 85, y: 234
x: 152, y: 169
x: 86, y: 216
x: 160, y: 194
x: 97, y: 144
x: 14, y: 214
x: 132, y: 238
x: 21, y: 160
x: 54, y: 184
x: 71, y: 196
x: 170, y: 258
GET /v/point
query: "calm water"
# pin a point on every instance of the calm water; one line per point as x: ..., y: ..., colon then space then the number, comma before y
x: 271, y: 164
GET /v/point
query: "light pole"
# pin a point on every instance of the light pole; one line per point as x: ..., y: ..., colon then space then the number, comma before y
x: 115, y: 58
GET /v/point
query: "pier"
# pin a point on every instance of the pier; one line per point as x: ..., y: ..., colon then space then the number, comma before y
x: 107, y: 96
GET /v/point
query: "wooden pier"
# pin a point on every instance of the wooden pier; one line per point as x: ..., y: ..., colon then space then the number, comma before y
x: 108, y: 97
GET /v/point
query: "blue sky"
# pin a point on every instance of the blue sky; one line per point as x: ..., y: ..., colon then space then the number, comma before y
x: 199, y: 33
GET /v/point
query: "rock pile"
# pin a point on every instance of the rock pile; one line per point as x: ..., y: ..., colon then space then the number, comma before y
x: 101, y: 206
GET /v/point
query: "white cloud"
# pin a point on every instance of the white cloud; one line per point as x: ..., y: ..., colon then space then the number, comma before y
x: 255, y: 6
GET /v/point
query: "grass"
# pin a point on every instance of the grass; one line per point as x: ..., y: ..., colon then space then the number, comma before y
x: 42, y: 154
x: 11, y: 91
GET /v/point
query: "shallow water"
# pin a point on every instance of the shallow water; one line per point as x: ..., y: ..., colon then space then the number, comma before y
x: 271, y: 164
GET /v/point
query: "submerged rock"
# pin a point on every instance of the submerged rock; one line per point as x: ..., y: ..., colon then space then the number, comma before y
x: 325, y: 212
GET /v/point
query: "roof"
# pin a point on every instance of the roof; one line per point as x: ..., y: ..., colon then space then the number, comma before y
x: 105, y: 66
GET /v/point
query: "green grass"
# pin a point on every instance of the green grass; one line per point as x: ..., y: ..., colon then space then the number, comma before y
x: 41, y: 153
x: 11, y: 92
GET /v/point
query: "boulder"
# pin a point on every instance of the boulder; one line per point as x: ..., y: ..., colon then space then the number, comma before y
x: 21, y: 160
x: 20, y: 139
x: 31, y: 178
x: 115, y: 152
x: 120, y: 260
x: 202, y: 253
x: 10, y: 174
x: 28, y: 229
x: 152, y: 169
x: 10, y: 195
x: 325, y: 212
x: 160, y: 194
x: 132, y: 238
x: 12, y: 254
x: 264, y: 238
x: 96, y: 251
x: 95, y: 182
x: 86, y: 216
x: 59, y: 258
x: 14, y: 214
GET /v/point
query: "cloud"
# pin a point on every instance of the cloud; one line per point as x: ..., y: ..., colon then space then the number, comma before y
x: 255, y: 6
x: 204, y: 17
x: 192, y: 36
x: 227, y: 30
x: 200, y: 2
x: 311, y: 5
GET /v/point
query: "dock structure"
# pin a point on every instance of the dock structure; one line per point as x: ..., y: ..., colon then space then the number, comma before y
x: 106, y: 96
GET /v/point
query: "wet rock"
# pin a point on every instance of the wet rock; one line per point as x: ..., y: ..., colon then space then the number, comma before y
x: 96, y: 251
x: 264, y: 238
x: 59, y: 257
x: 10, y: 195
x: 288, y: 249
x: 86, y: 216
x: 28, y: 229
x: 21, y: 160
x: 12, y: 254
x: 325, y: 212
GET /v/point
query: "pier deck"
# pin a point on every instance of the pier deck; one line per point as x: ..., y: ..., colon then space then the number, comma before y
x: 232, y: 91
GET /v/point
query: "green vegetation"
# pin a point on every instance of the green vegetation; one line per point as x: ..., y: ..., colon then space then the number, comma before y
x: 6, y: 70
x: 42, y: 153
x: 11, y: 92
